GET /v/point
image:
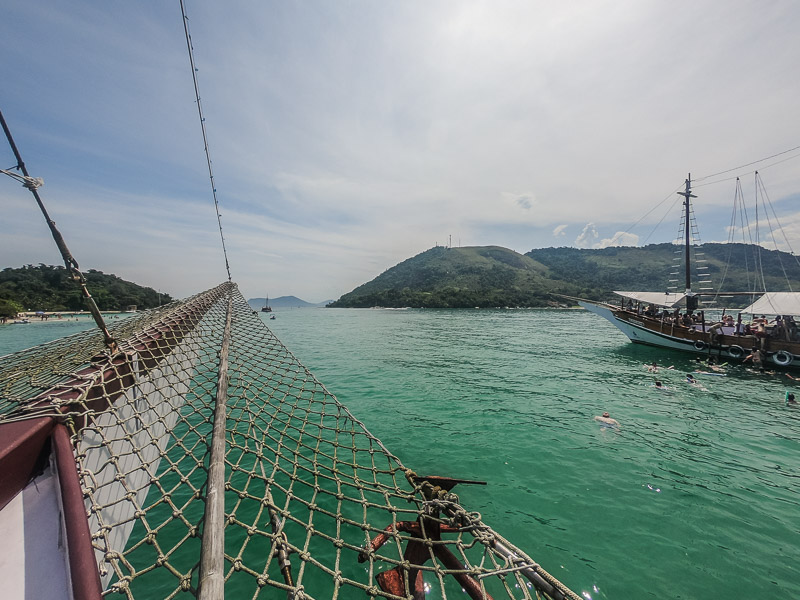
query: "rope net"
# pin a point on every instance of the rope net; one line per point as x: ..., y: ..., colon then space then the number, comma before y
x: 314, y: 505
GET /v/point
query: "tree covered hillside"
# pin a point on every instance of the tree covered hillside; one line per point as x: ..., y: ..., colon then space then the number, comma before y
x: 491, y: 276
x: 50, y: 288
x: 648, y: 268
x: 483, y: 276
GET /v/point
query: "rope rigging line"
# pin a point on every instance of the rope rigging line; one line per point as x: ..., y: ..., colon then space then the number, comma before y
x: 762, y: 168
x: 311, y: 504
x: 644, y: 216
x: 32, y: 184
x: 755, y: 162
x: 203, y: 128
x: 768, y: 206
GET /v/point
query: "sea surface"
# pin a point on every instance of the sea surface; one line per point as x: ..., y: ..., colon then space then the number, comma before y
x: 695, y: 496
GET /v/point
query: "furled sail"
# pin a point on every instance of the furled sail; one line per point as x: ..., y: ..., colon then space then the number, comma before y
x: 666, y: 299
x: 776, y: 303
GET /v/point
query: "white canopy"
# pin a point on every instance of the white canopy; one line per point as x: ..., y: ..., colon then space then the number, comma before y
x: 658, y: 298
x: 776, y: 303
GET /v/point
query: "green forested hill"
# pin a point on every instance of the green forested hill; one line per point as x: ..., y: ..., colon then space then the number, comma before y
x: 648, y: 268
x: 483, y: 276
x: 487, y: 276
x: 50, y: 288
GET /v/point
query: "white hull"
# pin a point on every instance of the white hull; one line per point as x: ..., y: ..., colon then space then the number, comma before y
x: 638, y: 333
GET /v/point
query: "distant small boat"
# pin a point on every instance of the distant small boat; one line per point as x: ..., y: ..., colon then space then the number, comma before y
x: 272, y: 318
x: 266, y: 307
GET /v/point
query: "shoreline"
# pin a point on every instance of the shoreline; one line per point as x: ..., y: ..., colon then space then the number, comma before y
x: 29, y: 317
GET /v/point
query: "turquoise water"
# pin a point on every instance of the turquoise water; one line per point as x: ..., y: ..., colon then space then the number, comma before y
x: 15, y: 337
x: 696, y: 496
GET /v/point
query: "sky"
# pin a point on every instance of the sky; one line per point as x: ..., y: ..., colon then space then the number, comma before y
x: 348, y: 136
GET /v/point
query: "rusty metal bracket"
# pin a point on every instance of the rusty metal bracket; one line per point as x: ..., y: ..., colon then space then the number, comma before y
x: 422, y: 546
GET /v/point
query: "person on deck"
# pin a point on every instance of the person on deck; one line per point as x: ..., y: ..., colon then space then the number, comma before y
x: 716, y: 332
x: 778, y: 330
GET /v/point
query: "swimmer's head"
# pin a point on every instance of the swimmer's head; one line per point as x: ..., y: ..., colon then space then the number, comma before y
x: 790, y: 397
x: 658, y: 384
x: 606, y: 415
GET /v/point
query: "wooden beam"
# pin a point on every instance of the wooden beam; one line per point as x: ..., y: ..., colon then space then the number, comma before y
x: 211, y: 585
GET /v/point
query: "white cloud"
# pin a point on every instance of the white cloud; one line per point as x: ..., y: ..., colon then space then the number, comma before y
x: 364, y: 144
x: 525, y: 202
x: 587, y: 237
x: 620, y: 238
x: 511, y: 205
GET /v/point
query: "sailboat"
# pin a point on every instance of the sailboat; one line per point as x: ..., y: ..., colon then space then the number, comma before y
x: 266, y: 308
x: 655, y: 318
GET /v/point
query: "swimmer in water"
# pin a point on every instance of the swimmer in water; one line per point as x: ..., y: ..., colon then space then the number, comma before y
x: 652, y: 368
x: 607, y: 421
x: 690, y: 379
x: 790, y: 401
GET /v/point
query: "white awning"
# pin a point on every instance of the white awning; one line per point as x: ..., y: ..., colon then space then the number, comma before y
x: 657, y: 298
x: 776, y: 303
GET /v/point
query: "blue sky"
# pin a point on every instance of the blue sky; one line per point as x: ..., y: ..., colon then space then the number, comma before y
x: 348, y: 136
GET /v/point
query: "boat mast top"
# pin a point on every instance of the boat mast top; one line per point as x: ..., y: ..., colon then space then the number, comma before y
x: 691, y: 301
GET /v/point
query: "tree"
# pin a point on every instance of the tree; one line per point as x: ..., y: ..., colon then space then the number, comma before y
x: 9, y: 308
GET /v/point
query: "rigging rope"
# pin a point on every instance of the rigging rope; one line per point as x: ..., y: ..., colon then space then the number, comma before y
x: 768, y: 205
x: 755, y: 162
x: 205, y: 137
x: 643, y: 217
x: 32, y: 183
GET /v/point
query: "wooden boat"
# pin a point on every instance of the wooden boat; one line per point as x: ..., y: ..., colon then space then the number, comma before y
x: 655, y: 319
x: 266, y: 308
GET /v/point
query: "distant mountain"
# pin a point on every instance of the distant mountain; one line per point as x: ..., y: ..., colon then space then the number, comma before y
x: 284, y: 302
x: 491, y: 276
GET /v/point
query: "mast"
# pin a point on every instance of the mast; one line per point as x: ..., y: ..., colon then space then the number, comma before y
x: 691, y: 300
